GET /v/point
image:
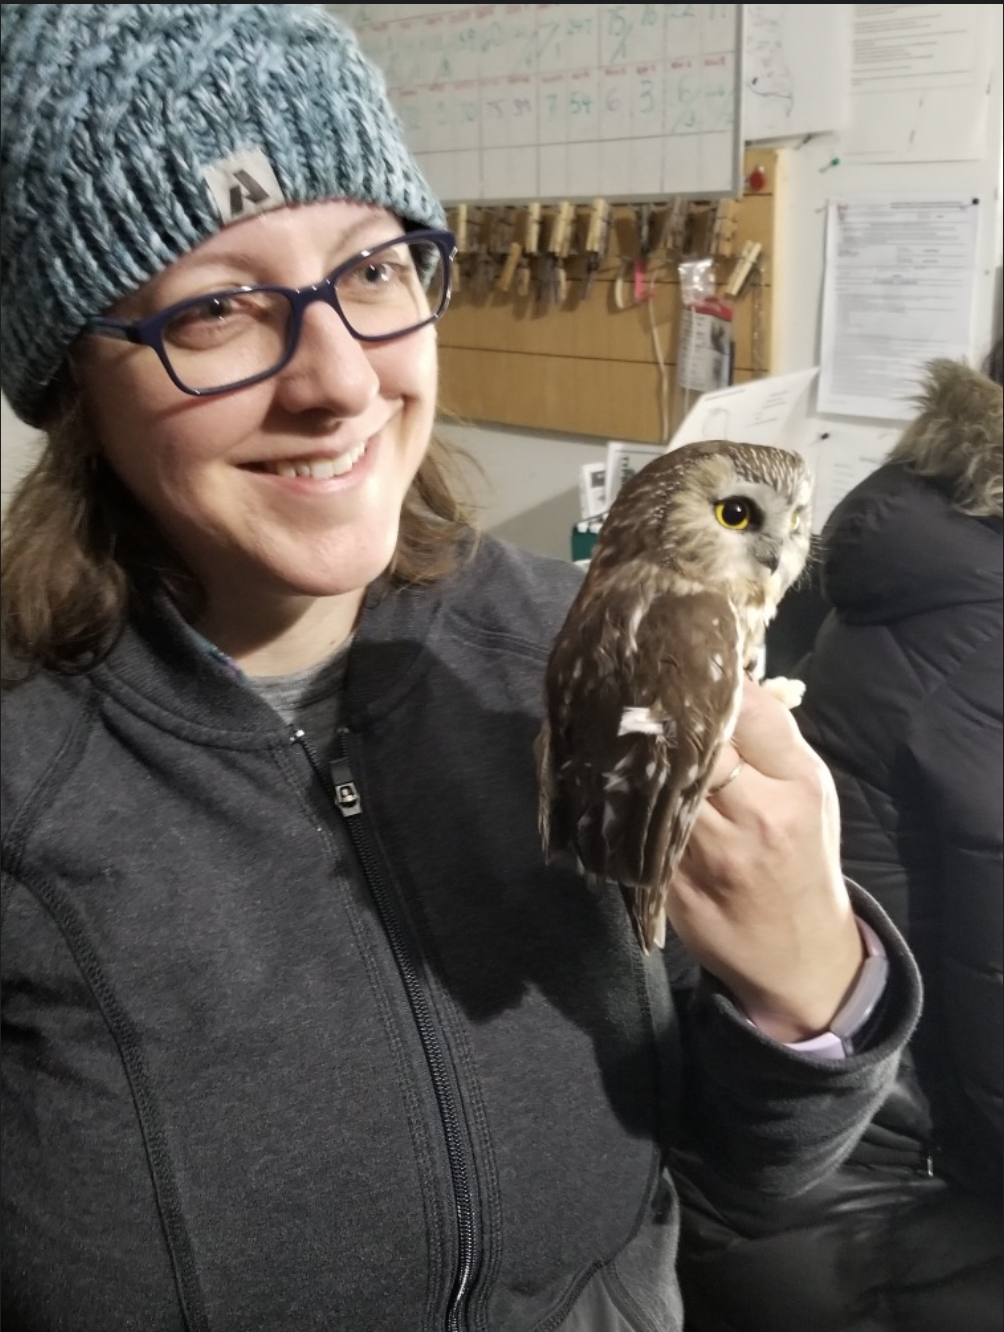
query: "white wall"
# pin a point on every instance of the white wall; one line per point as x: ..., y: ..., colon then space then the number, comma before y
x: 529, y: 488
x: 18, y: 447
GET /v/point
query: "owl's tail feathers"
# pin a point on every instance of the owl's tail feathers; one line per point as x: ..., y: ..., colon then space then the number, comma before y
x: 657, y: 937
x: 647, y: 840
x: 648, y: 915
x: 643, y: 829
x: 545, y: 787
x: 586, y: 838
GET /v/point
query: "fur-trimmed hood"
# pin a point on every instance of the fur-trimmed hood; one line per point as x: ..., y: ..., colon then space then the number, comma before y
x: 924, y: 531
x: 956, y: 437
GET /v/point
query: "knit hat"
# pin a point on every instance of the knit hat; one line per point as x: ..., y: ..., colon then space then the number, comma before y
x: 130, y: 133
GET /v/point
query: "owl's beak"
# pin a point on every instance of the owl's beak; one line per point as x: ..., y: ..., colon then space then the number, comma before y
x: 768, y: 553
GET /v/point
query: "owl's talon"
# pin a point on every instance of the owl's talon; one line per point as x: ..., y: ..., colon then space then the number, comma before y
x: 786, y: 691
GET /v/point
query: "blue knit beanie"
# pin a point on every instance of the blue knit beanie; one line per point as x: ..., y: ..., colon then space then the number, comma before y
x: 130, y: 133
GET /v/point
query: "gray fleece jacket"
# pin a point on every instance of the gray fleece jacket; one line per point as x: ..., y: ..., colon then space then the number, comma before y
x: 290, y: 1045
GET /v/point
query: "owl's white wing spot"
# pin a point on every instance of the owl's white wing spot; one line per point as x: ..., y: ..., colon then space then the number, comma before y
x: 619, y: 778
x: 717, y: 665
x: 631, y: 628
x: 639, y: 721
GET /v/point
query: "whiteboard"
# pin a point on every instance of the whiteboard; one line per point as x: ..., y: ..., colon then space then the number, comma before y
x: 509, y: 103
x: 788, y: 89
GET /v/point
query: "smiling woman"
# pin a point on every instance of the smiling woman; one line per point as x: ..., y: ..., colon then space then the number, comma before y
x: 368, y: 419
x: 287, y: 475
x: 299, y: 1029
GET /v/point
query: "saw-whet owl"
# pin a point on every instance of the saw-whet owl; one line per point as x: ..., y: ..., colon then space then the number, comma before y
x: 644, y: 679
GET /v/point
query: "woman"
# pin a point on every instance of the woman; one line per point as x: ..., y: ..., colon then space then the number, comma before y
x: 904, y: 699
x: 299, y: 1030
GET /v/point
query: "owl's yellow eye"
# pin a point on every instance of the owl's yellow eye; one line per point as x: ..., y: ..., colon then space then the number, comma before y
x: 796, y: 521
x: 735, y: 514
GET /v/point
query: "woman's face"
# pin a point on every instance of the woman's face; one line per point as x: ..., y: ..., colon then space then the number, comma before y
x: 292, y: 486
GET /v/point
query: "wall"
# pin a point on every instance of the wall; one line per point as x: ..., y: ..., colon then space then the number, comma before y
x: 799, y: 309
x: 797, y: 298
x: 532, y: 475
x: 18, y: 445
x: 526, y: 482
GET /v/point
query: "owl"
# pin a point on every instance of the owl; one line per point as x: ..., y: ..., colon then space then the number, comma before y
x: 644, y: 679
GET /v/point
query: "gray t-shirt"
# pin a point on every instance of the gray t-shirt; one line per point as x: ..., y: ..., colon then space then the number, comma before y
x: 309, y: 699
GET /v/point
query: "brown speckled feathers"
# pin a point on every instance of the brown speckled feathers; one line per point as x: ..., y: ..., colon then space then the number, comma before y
x: 644, y: 678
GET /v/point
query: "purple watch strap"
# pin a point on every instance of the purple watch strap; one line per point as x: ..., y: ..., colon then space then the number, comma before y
x: 838, y: 1042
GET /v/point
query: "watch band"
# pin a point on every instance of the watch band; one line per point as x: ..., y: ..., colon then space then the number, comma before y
x: 838, y: 1041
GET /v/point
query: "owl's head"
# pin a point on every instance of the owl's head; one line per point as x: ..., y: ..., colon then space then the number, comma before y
x: 718, y: 512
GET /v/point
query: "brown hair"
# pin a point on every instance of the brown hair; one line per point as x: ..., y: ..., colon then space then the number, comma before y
x: 77, y: 546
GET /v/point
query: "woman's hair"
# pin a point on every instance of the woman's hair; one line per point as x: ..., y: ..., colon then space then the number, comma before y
x: 955, y: 440
x: 79, y: 550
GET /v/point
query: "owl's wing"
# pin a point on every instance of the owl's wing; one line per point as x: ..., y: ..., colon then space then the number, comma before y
x: 642, y: 691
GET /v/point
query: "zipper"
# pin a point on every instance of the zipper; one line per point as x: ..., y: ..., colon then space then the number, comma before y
x: 340, y: 786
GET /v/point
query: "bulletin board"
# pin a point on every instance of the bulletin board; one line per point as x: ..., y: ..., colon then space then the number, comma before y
x: 511, y: 102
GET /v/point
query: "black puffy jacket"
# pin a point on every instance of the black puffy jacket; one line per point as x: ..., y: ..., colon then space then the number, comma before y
x: 904, y: 701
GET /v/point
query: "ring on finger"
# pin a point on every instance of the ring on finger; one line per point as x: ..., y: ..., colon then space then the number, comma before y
x: 714, y: 790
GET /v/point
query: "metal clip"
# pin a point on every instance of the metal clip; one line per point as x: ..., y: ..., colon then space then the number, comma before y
x: 345, y: 792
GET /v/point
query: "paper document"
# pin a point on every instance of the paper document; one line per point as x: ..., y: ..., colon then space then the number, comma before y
x: 764, y: 411
x: 899, y: 290
x: 921, y: 81
x: 623, y: 460
x: 592, y: 489
x: 842, y: 453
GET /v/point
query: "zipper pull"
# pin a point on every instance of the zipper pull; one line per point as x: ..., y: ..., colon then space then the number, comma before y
x: 345, y: 792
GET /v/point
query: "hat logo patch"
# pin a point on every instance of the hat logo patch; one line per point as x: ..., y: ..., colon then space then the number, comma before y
x: 242, y: 184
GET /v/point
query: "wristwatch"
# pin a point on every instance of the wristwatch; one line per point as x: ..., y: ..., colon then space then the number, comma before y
x: 854, y: 1015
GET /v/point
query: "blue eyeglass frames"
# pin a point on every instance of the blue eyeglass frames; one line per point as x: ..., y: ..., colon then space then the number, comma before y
x: 228, y: 339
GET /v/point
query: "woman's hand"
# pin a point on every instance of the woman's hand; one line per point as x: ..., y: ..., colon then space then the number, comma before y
x: 759, y: 898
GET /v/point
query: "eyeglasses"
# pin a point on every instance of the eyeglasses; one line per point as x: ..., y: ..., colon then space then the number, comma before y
x: 228, y: 339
